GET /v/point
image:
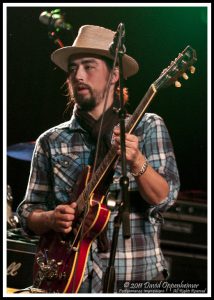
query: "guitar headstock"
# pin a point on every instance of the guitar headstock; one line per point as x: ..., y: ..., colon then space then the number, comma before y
x: 178, y: 68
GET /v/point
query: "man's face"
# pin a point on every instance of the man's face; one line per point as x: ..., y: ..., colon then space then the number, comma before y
x: 89, y: 76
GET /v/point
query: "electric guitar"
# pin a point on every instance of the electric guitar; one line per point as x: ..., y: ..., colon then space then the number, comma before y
x: 60, y: 260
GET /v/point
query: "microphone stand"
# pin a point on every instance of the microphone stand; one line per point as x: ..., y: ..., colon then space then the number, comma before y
x: 123, y: 211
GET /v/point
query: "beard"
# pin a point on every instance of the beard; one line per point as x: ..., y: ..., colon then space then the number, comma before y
x: 87, y: 103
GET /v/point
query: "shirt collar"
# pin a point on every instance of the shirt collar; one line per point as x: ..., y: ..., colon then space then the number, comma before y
x: 73, y: 125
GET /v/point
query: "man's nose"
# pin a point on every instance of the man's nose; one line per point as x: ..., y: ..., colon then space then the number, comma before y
x: 80, y: 73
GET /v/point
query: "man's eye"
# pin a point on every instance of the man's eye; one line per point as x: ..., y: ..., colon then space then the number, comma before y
x: 72, y: 69
x: 89, y: 67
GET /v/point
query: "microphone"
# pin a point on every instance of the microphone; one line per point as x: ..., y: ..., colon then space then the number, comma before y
x: 120, y: 34
x: 54, y: 19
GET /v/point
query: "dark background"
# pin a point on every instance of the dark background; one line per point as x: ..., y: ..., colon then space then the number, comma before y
x: 154, y: 37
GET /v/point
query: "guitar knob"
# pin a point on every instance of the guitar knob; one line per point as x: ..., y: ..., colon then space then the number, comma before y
x: 185, y: 76
x: 192, y: 69
x: 177, y: 84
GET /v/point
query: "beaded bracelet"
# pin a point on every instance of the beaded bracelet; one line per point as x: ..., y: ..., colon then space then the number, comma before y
x: 142, y: 170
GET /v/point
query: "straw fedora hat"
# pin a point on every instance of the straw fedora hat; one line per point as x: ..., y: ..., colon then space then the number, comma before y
x: 96, y: 40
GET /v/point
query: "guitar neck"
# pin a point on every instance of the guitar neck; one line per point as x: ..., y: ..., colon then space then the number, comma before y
x: 111, y: 156
x: 140, y: 110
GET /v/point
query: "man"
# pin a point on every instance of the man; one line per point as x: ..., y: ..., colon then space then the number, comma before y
x: 62, y: 152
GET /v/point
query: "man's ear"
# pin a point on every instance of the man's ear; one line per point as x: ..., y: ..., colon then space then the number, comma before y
x: 115, y: 76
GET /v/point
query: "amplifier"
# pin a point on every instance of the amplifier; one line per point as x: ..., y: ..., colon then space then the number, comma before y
x: 183, y: 264
x: 184, y: 237
x: 20, y: 260
x: 186, y: 222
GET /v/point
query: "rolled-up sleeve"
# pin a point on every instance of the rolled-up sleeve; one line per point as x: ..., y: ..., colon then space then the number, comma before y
x: 157, y: 146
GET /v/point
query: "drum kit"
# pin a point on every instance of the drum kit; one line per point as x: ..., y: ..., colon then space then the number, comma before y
x: 22, y: 151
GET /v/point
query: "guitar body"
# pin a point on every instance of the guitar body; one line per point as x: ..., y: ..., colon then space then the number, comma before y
x: 60, y: 261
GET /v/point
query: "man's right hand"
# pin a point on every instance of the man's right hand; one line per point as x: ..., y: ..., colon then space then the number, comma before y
x: 62, y: 217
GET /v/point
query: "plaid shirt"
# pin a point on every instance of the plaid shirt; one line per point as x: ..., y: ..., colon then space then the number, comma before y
x: 59, y: 157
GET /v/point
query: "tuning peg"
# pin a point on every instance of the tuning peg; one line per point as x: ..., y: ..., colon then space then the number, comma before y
x: 177, y: 84
x: 192, y: 69
x: 185, y: 76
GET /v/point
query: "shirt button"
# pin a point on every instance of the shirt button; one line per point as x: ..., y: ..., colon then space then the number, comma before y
x: 65, y: 163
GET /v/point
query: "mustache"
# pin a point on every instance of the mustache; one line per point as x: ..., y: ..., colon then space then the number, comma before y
x: 82, y: 86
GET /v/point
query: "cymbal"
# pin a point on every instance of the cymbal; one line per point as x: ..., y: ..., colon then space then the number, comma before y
x: 23, y: 151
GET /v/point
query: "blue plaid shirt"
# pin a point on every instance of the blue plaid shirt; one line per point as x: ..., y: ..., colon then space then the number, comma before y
x: 60, y: 155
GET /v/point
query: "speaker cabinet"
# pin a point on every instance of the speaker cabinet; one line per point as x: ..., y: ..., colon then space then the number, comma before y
x: 184, y: 237
x: 185, y: 263
x: 20, y: 259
